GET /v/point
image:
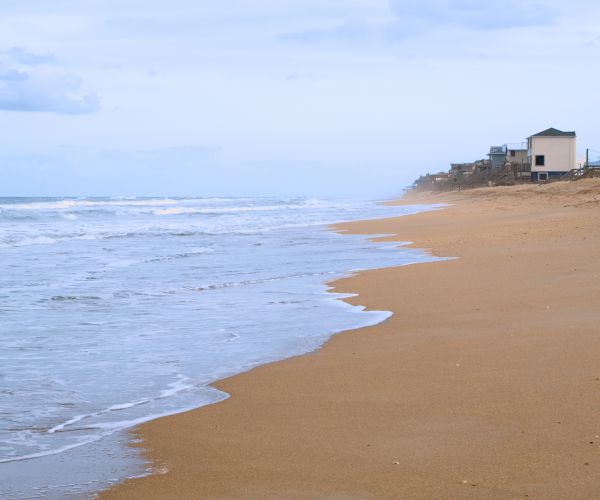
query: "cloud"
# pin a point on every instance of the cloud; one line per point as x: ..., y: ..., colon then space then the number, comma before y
x: 489, y: 15
x: 346, y: 31
x: 412, y: 17
x: 22, y: 91
x: 30, y: 82
x: 23, y: 56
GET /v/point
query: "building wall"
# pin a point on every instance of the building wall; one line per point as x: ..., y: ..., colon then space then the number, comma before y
x: 535, y: 176
x: 519, y: 158
x: 559, y: 153
x: 497, y: 159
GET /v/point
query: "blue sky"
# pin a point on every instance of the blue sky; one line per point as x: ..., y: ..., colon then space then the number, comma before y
x: 349, y: 98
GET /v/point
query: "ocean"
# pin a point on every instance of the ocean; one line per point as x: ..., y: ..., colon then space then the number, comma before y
x: 115, y: 311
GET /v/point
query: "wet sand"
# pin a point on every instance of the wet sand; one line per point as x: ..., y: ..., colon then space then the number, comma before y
x: 485, y: 383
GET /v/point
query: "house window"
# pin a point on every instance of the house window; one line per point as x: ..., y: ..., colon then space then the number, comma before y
x: 513, y: 153
x: 540, y: 160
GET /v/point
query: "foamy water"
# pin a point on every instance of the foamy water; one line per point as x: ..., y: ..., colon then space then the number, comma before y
x: 116, y: 311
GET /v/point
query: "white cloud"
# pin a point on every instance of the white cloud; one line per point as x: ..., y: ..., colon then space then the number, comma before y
x: 23, y: 56
x: 31, y: 82
x: 491, y: 14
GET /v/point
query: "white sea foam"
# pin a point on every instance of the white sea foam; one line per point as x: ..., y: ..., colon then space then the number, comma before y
x: 71, y: 204
x: 37, y: 240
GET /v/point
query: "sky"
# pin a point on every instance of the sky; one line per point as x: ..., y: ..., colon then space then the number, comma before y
x: 350, y: 98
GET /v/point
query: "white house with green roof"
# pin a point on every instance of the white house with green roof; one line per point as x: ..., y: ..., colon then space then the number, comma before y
x: 551, y: 154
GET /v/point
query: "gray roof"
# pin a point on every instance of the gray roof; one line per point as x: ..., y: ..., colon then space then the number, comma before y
x: 553, y: 132
x: 495, y: 150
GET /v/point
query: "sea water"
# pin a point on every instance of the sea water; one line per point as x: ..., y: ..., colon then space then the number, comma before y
x: 117, y: 311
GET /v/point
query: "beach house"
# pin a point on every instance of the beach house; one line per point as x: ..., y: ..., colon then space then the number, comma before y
x: 516, y: 154
x: 497, y: 156
x: 517, y: 160
x: 551, y: 154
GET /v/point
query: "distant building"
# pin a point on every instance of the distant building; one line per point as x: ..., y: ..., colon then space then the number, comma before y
x: 517, y: 154
x: 517, y: 160
x: 440, y: 177
x: 483, y: 165
x: 551, y: 154
x: 463, y: 169
x: 497, y: 156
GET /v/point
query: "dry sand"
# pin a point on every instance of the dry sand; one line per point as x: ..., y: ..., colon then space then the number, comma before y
x: 484, y: 384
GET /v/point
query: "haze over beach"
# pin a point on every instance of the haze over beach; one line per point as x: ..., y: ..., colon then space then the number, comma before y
x: 342, y: 249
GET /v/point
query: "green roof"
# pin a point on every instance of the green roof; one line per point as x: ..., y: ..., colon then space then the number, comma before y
x: 552, y: 132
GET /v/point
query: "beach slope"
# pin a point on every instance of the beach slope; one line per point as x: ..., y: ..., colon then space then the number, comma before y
x: 485, y: 383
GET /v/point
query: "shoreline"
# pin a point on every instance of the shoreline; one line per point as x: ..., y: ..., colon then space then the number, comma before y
x: 219, y: 316
x: 428, y: 406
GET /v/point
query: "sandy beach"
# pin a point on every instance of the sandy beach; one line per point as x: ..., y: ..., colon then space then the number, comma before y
x: 485, y: 383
